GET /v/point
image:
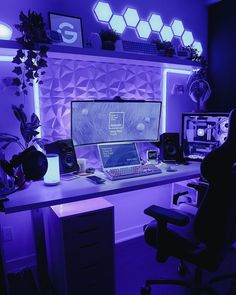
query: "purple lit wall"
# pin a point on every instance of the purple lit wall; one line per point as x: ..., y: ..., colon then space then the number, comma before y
x: 192, y: 13
x: 67, y: 80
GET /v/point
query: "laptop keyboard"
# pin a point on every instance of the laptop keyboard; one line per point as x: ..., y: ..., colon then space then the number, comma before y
x: 131, y: 171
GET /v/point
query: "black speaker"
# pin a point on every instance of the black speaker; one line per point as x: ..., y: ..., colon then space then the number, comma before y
x: 169, y: 147
x: 66, y: 151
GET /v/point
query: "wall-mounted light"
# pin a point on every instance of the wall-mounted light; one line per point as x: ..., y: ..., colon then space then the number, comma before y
x: 130, y: 18
x: 187, y: 38
x: 5, y: 31
x: 117, y: 23
x: 166, y: 33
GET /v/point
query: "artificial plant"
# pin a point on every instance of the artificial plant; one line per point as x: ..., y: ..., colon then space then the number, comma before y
x: 28, y: 130
x: 109, y: 38
x: 165, y: 48
x: 31, y: 60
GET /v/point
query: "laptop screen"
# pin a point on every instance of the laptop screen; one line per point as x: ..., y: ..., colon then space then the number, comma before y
x: 118, y: 155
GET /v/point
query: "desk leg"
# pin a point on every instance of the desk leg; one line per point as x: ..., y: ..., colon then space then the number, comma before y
x: 4, y: 290
x: 41, y: 253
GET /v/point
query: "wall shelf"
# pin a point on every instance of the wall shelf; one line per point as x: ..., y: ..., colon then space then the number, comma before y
x: 99, y: 55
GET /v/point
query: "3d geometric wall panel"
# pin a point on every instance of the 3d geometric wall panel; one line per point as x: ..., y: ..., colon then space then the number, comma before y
x: 103, y: 13
x: 67, y: 80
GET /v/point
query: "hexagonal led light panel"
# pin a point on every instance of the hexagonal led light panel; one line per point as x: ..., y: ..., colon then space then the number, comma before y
x: 144, y: 29
x: 177, y: 27
x: 131, y: 17
x: 156, y: 22
x: 187, y: 38
x: 166, y: 33
x: 197, y: 45
x: 103, y: 11
x: 117, y: 23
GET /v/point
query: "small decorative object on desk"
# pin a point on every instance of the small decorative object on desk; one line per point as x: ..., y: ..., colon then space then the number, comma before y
x: 139, y: 47
x: 109, y: 38
x: 52, y: 176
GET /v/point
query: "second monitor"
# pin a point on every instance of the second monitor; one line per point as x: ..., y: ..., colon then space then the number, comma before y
x: 95, y: 122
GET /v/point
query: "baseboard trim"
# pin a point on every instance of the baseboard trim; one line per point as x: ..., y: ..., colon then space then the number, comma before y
x: 128, y: 233
x: 16, y: 265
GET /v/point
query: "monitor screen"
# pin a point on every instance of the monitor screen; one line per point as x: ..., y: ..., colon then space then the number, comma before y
x: 201, y: 133
x: 118, y: 155
x: 94, y: 122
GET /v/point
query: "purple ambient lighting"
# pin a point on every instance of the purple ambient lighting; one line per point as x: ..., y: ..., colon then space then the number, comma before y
x: 5, y: 31
x: 164, y: 93
x: 130, y: 18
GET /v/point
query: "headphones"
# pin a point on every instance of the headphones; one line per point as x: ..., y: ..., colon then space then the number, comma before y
x: 34, y: 164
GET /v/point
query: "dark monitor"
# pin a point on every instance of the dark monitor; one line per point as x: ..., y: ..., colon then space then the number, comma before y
x: 202, y: 132
x: 94, y: 122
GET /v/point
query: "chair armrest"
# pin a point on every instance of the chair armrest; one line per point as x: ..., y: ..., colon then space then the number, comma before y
x: 167, y: 215
x: 199, y: 187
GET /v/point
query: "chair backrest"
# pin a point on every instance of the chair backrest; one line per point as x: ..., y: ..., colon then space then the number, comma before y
x: 215, y: 221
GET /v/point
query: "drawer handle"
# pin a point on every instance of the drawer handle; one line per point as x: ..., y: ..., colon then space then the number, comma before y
x: 87, y: 215
x: 89, y: 245
x: 88, y: 230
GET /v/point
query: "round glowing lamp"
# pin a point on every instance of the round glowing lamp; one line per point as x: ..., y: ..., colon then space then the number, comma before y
x: 52, y: 176
x: 5, y: 31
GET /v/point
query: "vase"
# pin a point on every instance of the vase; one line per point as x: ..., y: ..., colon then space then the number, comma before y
x: 108, y: 45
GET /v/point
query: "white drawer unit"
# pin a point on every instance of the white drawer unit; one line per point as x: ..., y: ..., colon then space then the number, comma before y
x: 80, y: 247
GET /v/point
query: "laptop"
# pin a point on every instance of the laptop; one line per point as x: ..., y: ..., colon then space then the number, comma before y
x: 118, y: 155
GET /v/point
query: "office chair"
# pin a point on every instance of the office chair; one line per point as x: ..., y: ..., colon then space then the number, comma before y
x: 206, y: 238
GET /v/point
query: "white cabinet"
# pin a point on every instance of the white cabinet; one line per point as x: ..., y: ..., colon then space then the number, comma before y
x: 80, y: 247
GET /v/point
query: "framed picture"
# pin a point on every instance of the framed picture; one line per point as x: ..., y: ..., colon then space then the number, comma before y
x: 70, y: 28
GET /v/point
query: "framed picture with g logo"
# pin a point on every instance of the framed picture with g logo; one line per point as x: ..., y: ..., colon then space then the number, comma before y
x: 70, y: 28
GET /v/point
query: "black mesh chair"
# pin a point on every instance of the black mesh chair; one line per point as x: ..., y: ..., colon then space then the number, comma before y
x: 206, y: 238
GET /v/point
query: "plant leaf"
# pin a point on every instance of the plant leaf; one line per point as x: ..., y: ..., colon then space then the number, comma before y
x: 19, y: 113
x: 7, y: 168
x: 16, y: 82
x: 35, y: 121
x: 41, y: 142
x: 17, y: 70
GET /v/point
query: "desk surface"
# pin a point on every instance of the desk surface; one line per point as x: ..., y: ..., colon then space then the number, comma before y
x: 38, y: 195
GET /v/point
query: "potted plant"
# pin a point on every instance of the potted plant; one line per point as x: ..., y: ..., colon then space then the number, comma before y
x: 31, y: 59
x: 164, y: 48
x: 28, y: 130
x: 109, y: 38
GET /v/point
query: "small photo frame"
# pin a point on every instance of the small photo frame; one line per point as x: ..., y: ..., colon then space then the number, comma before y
x: 70, y: 28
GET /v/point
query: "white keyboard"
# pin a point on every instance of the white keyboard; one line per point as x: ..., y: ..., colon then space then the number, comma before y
x: 132, y: 171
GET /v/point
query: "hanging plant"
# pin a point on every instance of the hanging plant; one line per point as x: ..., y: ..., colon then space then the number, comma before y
x: 31, y: 60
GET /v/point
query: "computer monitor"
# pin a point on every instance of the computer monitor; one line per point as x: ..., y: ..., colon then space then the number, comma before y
x: 202, y: 132
x: 94, y: 122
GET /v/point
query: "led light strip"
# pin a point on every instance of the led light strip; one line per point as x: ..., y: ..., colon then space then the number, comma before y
x: 164, y: 93
x: 8, y: 58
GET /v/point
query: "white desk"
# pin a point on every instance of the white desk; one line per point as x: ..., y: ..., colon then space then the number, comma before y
x: 37, y: 196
